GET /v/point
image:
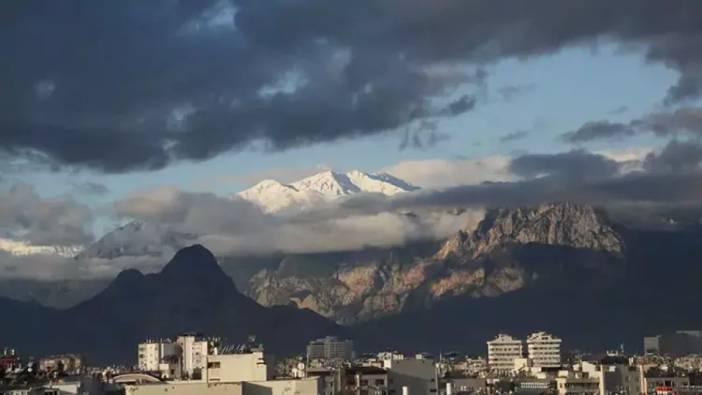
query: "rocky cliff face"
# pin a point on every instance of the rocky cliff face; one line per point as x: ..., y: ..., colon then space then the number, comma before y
x: 502, y: 255
x: 561, y: 224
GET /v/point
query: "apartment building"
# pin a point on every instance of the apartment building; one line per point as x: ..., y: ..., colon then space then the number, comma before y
x: 544, y: 350
x: 502, y: 352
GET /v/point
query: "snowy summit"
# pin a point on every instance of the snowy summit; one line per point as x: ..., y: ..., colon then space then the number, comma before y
x: 273, y: 196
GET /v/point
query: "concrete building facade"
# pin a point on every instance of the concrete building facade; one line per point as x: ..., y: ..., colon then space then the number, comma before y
x: 153, y: 352
x: 236, y: 367
x: 194, y: 351
x: 269, y: 387
x: 419, y: 376
x: 502, y: 351
x: 329, y: 348
x: 544, y: 350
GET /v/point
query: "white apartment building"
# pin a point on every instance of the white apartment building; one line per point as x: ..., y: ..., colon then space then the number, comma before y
x: 194, y: 354
x: 152, y: 352
x: 329, y: 348
x: 184, y: 358
x: 544, y: 350
x: 502, y: 351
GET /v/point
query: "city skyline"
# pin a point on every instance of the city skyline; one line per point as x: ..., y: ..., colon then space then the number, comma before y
x: 519, y: 180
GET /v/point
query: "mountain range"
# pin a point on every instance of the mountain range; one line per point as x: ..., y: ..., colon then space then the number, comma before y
x: 191, y: 293
x: 486, y: 262
x: 274, y: 197
x: 560, y: 266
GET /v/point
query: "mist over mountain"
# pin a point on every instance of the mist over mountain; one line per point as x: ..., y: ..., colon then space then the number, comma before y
x: 135, y: 239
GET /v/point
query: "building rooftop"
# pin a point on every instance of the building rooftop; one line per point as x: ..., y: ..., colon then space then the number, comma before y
x: 366, y: 370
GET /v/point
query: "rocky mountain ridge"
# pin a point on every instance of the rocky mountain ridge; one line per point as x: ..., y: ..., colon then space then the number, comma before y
x: 492, y: 260
x: 565, y: 224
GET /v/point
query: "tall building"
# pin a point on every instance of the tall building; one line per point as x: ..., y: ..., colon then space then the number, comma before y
x: 153, y: 352
x: 502, y: 351
x: 329, y: 348
x: 194, y: 351
x: 544, y: 350
x: 186, y: 357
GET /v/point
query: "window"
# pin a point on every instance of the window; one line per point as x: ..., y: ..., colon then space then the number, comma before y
x: 213, y: 365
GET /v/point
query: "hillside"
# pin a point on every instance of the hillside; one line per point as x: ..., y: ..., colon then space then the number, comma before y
x: 191, y: 293
x: 509, y: 250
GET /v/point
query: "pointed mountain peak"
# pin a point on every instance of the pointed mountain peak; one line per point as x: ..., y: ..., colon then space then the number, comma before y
x: 328, y: 184
x: 129, y: 276
x: 379, y: 183
x: 195, y: 261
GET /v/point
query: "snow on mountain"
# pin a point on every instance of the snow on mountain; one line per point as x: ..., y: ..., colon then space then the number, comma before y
x: 135, y: 239
x: 380, y: 183
x: 22, y: 248
x: 273, y: 197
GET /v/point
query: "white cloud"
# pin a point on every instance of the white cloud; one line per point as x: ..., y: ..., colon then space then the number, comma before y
x: 40, y: 221
x: 235, y: 226
x: 443, y: 173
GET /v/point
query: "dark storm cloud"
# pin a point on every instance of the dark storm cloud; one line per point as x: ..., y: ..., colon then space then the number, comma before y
x: 126, y: 85
x: 461, y: 105
x: 686, y: 120
x: 683, y: 121
x: 676, y: 157
x: 575, y: 165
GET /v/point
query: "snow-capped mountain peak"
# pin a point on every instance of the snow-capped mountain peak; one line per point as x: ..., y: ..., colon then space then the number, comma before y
x: 272, y: 196
x: 380, y: 183
x: 329, y: 184
x: 134, y: 239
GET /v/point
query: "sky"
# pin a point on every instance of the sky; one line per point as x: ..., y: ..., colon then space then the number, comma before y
x: 104, y: 104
